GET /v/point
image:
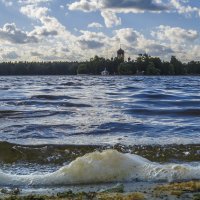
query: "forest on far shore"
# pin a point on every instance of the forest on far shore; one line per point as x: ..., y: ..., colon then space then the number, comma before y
x: 142, y: 65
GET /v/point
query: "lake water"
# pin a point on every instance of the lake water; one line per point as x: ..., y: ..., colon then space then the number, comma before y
x: 48, y: 121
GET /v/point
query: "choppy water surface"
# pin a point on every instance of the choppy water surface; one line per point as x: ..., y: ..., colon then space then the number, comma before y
x: 67, y: 116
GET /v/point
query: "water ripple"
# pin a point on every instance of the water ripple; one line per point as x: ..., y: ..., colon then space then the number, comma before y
x: 91, y: 109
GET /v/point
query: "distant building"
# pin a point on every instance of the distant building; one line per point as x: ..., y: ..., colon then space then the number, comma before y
x: 121, y: 54
x: 105, y: 72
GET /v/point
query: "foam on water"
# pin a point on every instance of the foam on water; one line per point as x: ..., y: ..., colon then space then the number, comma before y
x: 108, y: 166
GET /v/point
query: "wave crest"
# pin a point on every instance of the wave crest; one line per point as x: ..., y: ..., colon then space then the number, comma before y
x: 107, y: 166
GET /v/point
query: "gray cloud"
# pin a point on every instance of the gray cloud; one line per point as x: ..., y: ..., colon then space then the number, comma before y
x: 88, y: 6
x: 135, y: 4
x: 10, y: 55
x: 64, y: 49
x: 159, y: 50
x: 35, y: 54
x: 127, y: 35
x: 11, y: 33
x: 109, y: 8
x: 90, y: 44
x: 49, y: 33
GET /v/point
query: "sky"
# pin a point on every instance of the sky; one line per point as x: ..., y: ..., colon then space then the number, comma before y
x: 76, y: 30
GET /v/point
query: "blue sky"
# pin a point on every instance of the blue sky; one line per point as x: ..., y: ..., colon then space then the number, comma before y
x: 37, y: 30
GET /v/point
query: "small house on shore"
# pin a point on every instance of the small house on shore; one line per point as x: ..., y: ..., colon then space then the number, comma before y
x: 105, y: 72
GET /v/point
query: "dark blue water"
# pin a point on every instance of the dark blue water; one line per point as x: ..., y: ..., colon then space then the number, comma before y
x: 99, y: 110
x: 48, y: 121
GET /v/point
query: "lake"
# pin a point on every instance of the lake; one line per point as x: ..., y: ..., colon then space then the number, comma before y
x: 46, y: 122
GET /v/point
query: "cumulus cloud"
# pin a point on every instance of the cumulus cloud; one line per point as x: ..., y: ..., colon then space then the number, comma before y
x: 132, y: 6
x: 43, y: 32
x: 182, y: 7
x: 175, y: 34
x: 92, y: 5
x: 34, y: 11
x: 91, y: 40
x: 35, y: 54
x: 84, y: 5
x: 135, y: 4
x: 135, y: 43
x: 156, y: 49
x: 50, y: 26
x: 24, y: 2
x: 110, y: 18
x: 90, y: 44
x: 50, y: 32
x: 181, y: 41
x: 95, y: 25
x: 12, y: 34
x: 127, y: 35
x: 51, y: 40
x: 10, y: 56
x: 109, y: 8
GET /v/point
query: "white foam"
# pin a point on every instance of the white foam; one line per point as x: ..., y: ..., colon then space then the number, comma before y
x: 110, y: 139
x: 108, y: 166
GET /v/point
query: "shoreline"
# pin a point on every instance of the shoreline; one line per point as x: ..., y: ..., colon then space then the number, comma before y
x: 124, y: 191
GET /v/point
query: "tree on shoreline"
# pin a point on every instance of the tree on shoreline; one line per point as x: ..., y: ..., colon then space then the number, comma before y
x: 143, y: 64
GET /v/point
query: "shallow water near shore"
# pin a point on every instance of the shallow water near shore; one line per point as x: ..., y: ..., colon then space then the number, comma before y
x: 141, y: 128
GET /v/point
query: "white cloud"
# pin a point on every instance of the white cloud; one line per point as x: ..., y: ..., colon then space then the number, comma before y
x: 109, y: 8
x: 182, y: 7
x: 175, y: 34
x: 110, y: 18
x: 36, y: 2
x: 34, y: 11
x: 51, y: 40
x: 135, y: 43
x: 62, y: 7
x: 84, y: 5
x: 50, y: 26
x: 181, y: 41
x: 95, y: 25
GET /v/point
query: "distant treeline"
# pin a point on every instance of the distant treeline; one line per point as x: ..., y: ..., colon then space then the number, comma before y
x: 144, y: 64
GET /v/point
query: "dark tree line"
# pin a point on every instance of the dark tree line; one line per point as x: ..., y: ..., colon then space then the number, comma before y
x: 143, y: 65
x: 38, y: 68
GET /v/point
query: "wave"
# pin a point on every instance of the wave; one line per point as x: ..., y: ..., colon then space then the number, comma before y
x: 52, y: 97
x: 31, y: 114
x: 8, y: 113
x: 106, y: 166
x: 47, y: 103
x: 72, y: 84
x: 170, y: 112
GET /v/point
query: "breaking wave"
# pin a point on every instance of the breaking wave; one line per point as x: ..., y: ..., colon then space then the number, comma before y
x: 106, y: 166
